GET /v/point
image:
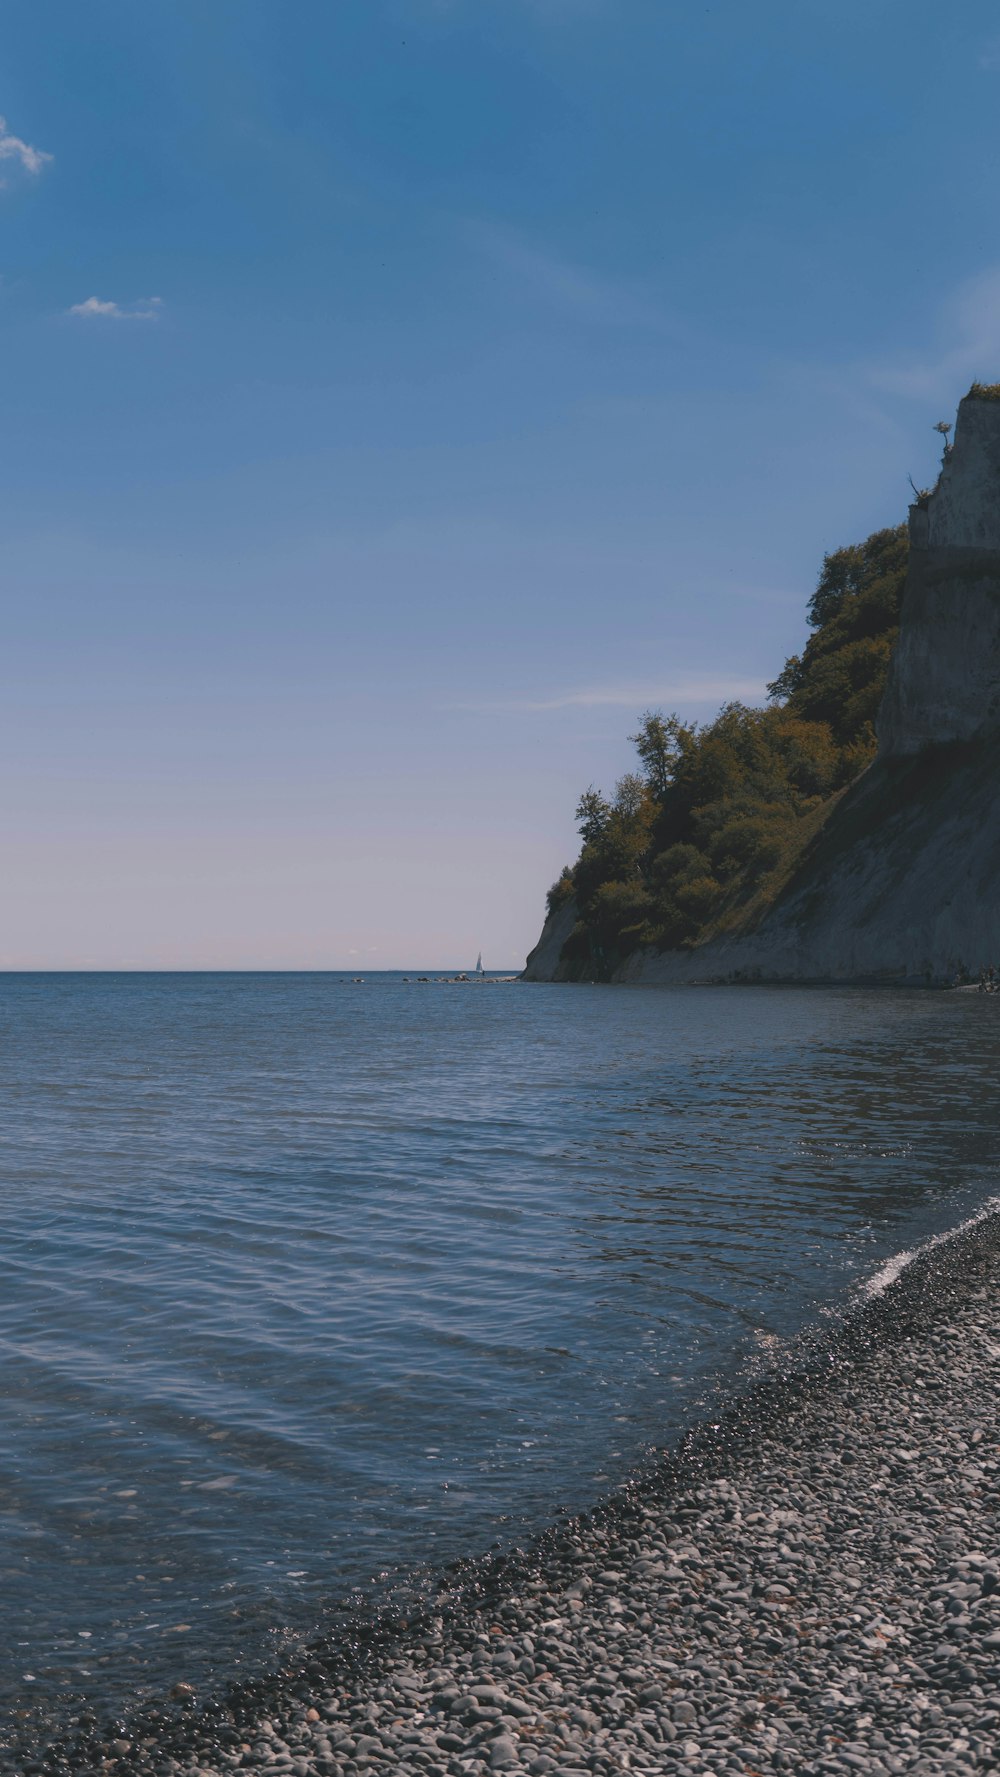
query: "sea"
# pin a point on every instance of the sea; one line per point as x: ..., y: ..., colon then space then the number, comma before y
x: 310, y: 1286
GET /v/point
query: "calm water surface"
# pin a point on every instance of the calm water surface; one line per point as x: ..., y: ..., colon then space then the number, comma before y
x: 303, y: 1283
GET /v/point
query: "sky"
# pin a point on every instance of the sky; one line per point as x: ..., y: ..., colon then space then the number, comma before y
x: 400, y: 396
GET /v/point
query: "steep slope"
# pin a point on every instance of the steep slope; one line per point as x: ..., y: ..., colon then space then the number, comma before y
x: 902, y: 880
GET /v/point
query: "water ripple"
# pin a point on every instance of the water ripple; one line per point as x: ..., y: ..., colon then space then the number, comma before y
x: 299, y: 1285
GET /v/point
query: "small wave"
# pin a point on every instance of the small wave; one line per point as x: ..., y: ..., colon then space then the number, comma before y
x: 887, y: 1274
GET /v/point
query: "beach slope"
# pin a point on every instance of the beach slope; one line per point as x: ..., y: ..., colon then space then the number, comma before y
x: 811, y: 1585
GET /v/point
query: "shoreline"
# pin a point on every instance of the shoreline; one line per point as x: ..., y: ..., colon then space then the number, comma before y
x: 810, y: 1584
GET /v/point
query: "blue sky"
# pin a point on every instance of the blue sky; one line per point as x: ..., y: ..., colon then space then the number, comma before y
x: 400, y: 395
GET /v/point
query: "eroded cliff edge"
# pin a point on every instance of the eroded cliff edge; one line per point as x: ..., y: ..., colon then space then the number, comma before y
x: 902, y: 881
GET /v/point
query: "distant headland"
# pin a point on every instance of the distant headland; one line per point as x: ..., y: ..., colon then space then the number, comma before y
x: 848, y: 831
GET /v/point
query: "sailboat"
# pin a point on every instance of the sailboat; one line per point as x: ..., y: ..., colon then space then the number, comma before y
x: 479, y: 964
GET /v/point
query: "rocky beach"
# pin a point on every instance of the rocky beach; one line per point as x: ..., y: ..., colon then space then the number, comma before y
x: 812, y: 1585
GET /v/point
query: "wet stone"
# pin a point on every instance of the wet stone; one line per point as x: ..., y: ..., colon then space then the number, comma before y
x: 763, y: 1606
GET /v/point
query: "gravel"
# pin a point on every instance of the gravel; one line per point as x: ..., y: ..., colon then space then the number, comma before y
x: 811, y: 1586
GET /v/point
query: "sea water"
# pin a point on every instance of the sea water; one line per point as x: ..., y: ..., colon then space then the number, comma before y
x: 309, y: 1286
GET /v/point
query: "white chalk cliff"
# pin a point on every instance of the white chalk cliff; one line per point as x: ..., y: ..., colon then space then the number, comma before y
x: 902, y: 883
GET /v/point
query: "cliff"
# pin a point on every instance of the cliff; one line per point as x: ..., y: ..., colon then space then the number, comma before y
x: 944, y: 678
x: 902, y: 881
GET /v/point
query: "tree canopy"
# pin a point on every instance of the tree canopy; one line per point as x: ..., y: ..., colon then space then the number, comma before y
x: 717, y: 813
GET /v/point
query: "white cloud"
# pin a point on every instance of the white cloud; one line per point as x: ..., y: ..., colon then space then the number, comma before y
x: 714, y: 688
x: 567, y: 285
x: 12, y: 148
x: 970, y: 325
x: 147, y: 309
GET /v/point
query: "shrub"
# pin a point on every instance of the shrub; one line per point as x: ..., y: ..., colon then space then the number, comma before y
x: 577, y: 945
x: 698, y: 897
x: 562, y: 890
x: 679, y: 863
x: 615, y: 907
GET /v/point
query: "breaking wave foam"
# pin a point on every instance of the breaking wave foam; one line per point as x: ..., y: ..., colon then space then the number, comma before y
x: 887, y: 1274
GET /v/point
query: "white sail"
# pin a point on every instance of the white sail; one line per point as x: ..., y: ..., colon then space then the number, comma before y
x: 479, y: 963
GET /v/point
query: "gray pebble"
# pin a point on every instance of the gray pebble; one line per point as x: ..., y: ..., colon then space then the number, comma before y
x: 822, y: 1598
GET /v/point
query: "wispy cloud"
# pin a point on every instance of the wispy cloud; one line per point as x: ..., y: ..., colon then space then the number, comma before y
x: 712, y: 688
x: 566, y: 285
x: 560, y: 10
x: 543, y: 10
x: 989, y: 56
x: 13, y: 148
x: 146, y: 309
x: 970, y: 326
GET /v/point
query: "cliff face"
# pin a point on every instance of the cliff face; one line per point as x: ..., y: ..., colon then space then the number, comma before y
x: 944, y: 680
x: 543, y: 963
x: 902, y: 883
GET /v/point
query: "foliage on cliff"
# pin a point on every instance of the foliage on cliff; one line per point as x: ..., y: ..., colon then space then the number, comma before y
x: 717, y: 814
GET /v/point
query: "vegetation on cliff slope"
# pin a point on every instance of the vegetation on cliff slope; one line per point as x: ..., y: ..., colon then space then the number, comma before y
x: 716, y: 815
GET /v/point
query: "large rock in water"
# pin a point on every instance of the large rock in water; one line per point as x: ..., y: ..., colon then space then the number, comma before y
x: 902, y: 883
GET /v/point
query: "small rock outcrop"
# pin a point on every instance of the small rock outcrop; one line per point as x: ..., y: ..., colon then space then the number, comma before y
x: 902, y: 882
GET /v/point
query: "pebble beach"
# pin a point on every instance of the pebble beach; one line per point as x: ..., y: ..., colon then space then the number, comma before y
x: 811, y: 1585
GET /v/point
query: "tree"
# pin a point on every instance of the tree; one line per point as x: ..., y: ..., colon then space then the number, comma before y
x: 592, y: 816
x: 562, y: 890
x: 849, y: 571
x: 788, y: 680
x: 630, y: 797
x: 660, y: 743
x: 722, y: 810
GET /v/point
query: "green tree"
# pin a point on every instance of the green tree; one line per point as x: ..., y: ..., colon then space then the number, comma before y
x: 840, y: 675
x: 592, y: 816
x: 562, y: 890
x: 661, y: 743
x: 721, y: 810
x: 630, y: 798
